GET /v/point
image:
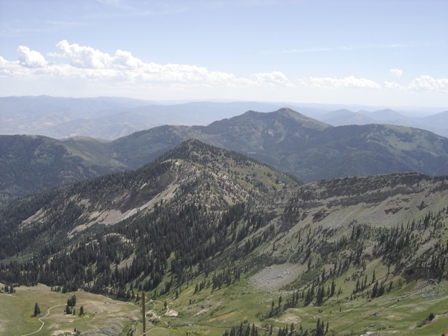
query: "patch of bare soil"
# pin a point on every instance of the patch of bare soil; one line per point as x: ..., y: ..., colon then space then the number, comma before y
x: 276, y: 276
x: 171, y: 313
x: 203, y: 311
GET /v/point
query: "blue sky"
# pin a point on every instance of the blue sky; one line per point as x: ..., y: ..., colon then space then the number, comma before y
x: 365, y: 52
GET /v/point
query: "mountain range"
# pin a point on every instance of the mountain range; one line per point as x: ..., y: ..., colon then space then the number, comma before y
x: 226, y: 240
x: 111, y: 118
x: 301, y: 146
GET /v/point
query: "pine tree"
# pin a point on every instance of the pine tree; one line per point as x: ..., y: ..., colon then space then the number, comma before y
x: 319, y: 329
x: 36, y: 309
x: 68, y: 309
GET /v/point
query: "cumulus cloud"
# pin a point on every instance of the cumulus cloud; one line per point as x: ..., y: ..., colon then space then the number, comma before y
x: 83, y: 57
x: 272, y: 78
x: 338, y: 83
x: 30, y: 58
x: 84, y: 62
x: 397, y: 72
x: 394, y: 86
x: 428, y: 83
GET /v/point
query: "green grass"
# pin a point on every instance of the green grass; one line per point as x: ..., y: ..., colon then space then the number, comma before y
x: 398, y: 312
x: 403, y: 311
x: 16, y: 312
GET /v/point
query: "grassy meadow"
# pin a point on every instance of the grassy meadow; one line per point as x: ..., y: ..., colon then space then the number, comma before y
x: 403, y: 311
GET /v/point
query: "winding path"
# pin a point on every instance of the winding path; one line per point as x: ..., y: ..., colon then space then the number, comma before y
x: 41, y: 321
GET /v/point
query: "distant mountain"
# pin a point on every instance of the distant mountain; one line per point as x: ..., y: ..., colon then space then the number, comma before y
x: 206, y: 230
x: 131, y: 120
x: 289, y: 141
x: 304, y: 147
x: 111, y: 118
x: 433, y: 123
x: 42, y: 115
x: 30, y: 164
x: 346, y: 117
x: 384, y: 116
x: 437, y: 123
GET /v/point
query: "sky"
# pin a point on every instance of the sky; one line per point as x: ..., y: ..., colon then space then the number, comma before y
x: 364, y: 52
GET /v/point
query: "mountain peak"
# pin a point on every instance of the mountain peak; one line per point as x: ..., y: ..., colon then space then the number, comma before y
x: 197, y: 151
x: 286, y: 110
x: 300, y: 118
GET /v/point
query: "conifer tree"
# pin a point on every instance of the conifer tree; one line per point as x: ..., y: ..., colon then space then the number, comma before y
x: 36, y: 309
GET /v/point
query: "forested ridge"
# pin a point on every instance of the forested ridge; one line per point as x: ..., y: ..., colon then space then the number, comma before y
x: 301, y: 146
x: 205, y: 217
x: 179, y: 234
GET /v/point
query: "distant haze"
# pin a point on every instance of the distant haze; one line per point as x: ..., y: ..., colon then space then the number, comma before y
x: 110, y: 118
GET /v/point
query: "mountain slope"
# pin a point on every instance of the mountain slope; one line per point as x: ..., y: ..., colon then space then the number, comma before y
x: 210, y: 230
x: 230, y: 177
x: 285, y: 139
x: 30, y: 164
x: 302, y: 146
x: 436, y: 123
x: 370, y: 150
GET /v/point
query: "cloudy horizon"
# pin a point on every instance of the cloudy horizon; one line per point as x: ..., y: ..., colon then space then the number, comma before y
x: 331, y: 54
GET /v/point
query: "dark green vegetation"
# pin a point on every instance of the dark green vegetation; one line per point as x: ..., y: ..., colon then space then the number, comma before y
x: 224, y: 241
x: 304, y: 147
x: 289, y: 141
x: 29, y: 164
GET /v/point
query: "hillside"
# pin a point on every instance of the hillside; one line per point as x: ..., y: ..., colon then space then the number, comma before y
x: 30, y: 164
x: 302, y: 146
x: 231, y: 179
x: 225, y: 240
x: 285, y: 139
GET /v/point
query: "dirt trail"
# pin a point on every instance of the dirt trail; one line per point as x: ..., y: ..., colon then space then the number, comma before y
x: 159, y: 317
x: 41, y: 320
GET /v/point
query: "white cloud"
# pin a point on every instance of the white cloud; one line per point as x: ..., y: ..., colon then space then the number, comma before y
x: 272, y: 79
x: 338, y: 83
x: 80, y: 67
x: 83, y: 57
x: 126, y: 60
x: 87, y: 63
x: 428, y: 83
x: 397, y: 72
x: 30, y: 58
x: 394, y: 86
